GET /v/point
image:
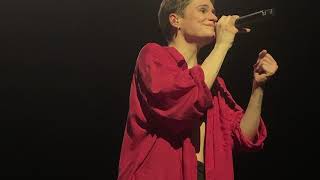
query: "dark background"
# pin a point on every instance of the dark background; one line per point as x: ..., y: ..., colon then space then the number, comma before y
x: 65, y: 72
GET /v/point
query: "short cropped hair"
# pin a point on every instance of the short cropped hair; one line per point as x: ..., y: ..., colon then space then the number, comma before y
x: 166, y: 8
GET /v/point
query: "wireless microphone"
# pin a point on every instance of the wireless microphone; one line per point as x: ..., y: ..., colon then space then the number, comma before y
x: 248, y: 20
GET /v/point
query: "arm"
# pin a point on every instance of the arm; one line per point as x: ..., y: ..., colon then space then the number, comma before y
x: 232, y: 115
x: 251, y: 119
x: 212, y: 64
x: 225, y: 33
x: 171, y: 97
x: 265, y: 67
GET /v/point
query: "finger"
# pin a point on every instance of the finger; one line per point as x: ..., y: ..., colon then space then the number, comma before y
x: 247, y: 30
x: 228, y: 18
x: 269, y: 69
x: 263, y: 64
x: 259, y: 70
x: 266, y: 54
x: 262, y: 53
x: 269, y: 61
x: 266, y: 64
x: 244, y: 30
x: 268, y: 58
x: 271, y: 58
x: 233, y: 19
x: 264, y: 69
x: 221, y: 20
x: 258, y: 65
x: 258, y: 61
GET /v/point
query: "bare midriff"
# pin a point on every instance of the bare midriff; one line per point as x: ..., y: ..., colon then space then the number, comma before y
x: 198, y: 139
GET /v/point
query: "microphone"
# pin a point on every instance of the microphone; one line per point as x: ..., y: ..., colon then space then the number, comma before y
x: 248, y: 20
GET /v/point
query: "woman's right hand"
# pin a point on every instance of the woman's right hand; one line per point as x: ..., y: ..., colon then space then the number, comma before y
x: 226, y: 31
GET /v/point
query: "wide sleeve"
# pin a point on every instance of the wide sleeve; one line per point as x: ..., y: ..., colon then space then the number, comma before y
x: 231, y: 111
x: 173, y: 97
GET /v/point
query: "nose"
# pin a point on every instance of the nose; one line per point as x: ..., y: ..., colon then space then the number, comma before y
x: 213, y: 17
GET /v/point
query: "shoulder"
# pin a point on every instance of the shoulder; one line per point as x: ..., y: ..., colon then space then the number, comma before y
x: 220, y: 82
x: 221, y: 86
x: 151, y: 48
x: 153, y: 53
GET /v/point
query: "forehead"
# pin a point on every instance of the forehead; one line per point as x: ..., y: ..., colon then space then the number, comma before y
x: 201, y: 2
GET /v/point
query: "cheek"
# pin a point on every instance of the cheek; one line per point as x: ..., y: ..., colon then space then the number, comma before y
x: 194, y: 25
x: 202, y: 19
x: 193, y: 29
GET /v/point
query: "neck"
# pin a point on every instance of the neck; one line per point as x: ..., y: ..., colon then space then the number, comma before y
x: 188, y: 50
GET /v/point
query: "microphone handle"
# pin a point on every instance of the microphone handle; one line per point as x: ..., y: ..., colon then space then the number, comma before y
x: 250, y: 19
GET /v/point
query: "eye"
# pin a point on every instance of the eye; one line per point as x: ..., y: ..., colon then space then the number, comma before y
x: 203, y: 10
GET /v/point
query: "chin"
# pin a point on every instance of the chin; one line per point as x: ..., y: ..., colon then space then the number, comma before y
x: 208, y: 40
x: 209, y: 35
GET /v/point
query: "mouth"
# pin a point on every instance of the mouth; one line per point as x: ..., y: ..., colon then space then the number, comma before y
x: 210, y: 25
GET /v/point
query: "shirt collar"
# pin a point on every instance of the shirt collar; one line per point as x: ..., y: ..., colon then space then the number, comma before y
x: 177, y: 56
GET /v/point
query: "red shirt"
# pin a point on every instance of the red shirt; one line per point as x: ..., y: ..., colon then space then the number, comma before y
x: 167, y: 101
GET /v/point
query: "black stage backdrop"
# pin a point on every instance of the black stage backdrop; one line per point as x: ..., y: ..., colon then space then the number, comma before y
x: 65, y: 72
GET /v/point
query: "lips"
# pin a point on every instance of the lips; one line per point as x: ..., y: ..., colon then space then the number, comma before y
x: 211, y: 25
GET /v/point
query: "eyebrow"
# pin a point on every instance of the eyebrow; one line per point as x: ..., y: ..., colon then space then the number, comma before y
x: 207, y: 6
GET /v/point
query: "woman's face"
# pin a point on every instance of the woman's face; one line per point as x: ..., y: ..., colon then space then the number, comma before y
x: 198, y: 22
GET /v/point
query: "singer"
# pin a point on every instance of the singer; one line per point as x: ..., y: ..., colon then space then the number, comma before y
x: 183, y: 123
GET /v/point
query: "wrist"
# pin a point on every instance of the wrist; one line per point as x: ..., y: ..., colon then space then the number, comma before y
x: 222, y: 47
x: 258, y: 85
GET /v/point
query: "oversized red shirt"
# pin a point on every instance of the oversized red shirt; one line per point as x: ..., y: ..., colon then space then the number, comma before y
x: 167, y: 101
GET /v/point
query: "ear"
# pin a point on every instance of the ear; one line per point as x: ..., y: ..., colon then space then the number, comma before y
x: 174, y: 20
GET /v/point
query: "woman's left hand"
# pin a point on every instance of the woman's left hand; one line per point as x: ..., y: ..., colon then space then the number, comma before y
x: 264, y: 68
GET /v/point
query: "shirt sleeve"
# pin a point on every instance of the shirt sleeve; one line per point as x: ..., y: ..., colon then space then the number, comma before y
x: 234, y: 113
x: 174, y: 98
